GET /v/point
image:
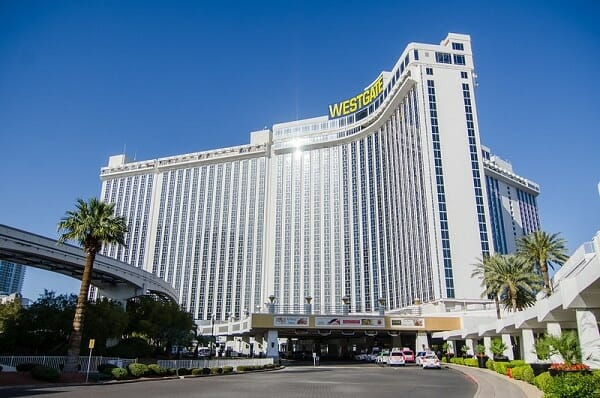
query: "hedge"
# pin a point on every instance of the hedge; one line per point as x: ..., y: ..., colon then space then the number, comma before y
x: 183, y: 371
x: 542, y: 380
x: 216, y: 370
x: 45, y: 373
x: 572, y: 385
x: 457, y: 360
x: 227, y: 369
x: 138, y: 369
x: 528, y: 374
x: 119, y: 373
x: 156, y: 370
x: 473, y: 362
x: 490, y: 364
x: 197, y: 371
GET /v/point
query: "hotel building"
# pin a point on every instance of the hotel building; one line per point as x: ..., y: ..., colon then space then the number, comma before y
x: 390, y: 196
x: 11, y: 277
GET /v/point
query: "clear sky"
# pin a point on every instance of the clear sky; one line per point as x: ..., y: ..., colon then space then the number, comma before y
x: 83, y: 80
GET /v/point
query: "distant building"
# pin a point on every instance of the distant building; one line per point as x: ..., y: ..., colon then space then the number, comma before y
x: 11, y: 277
x: 384, y: 198
x: 512, y: 202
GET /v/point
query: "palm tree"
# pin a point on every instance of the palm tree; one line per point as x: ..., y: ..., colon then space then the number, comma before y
x: 92, y: 224
x: 518, y: 280
x: 484, y: 270
x: 543, y: 250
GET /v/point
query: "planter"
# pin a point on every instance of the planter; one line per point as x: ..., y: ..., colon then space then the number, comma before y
x: 539, y: 368
x: 481, y: 361
x: 559, y: 372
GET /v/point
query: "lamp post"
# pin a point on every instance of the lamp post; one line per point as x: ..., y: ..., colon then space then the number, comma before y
x: 212, y: 336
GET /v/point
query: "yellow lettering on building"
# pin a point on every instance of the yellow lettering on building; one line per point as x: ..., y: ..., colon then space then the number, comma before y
x: 357, y: 102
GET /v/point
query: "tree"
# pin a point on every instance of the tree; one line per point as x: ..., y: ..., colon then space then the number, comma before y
x: 9, y: 311
x: 92, y: 224
x: 42, y: 328
x: 517, y: 280
x: 510, y: 278
x: 484, y: 270
x: 104, y: 319
x: 161, y: 321
x: 543, y: 250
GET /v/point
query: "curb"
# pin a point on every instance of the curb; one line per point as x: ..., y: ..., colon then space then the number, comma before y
x: 529, y: 390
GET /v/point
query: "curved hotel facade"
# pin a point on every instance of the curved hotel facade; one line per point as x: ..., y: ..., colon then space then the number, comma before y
x: 390, y: 196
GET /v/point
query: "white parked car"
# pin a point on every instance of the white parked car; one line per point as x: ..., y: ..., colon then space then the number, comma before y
x: 396, y: 358
x: 419, y: 357
x: 430, y: 360
x: 382, y: 358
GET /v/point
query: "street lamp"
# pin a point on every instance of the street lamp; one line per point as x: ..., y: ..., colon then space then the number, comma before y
x: 212, y: 335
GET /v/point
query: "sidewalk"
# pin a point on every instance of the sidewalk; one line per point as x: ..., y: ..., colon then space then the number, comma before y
x: 491, y: 384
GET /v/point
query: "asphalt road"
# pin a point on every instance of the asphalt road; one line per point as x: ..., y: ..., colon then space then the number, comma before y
x: 293, y: 382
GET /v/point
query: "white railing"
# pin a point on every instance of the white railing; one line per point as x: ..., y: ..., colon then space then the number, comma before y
x: 58, y: 362
x: 206, y: 363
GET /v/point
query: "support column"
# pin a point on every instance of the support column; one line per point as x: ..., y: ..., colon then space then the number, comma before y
x: 527, y: 346
x: 508, y: 352
x: 422, y: 343
x: 487, y: 342
x: 589, y: 338
x: 470, y: 346
x: 272, y: 344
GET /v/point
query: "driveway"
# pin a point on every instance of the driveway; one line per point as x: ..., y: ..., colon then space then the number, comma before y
x: 292, y: 382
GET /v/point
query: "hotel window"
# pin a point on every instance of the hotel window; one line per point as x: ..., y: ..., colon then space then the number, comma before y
x: 458, y: 46
x: 459, y: 59
x: 464, y: 75
x: 416, y: 53
x: 443, y: 58
x: 429, y: 71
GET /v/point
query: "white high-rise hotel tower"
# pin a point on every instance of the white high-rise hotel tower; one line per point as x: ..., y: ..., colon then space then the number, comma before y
x: 384, y: 198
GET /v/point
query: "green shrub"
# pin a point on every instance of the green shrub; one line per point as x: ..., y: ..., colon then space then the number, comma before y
x: 517, y: 372
x: 471, y: 362
x: 444, y: 360
x: 516, y: 362
x: 45, y: 373
x: 172, y: 371
x: 490, y: 364
x: 206, y: 371
x: 500, y: 367
x: 183, y: 371
x: 215, y: 370
x: 528, y: 374
x: 457, y: 360
x: 138, y: 369
x: 572, y: 385
x: 106, y: 368
x: 26, y: 367
x: 248, y: 368
x: 119, y: 373
x: 156, y: 370
x: 227, y: 369
x: 542, y: 380
x: 197, y: 372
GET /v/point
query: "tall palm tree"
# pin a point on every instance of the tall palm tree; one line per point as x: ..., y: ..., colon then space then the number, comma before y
x: 92, y: 224
x: 518, y: 280
x: 543, y: 250
x: 483, y: 270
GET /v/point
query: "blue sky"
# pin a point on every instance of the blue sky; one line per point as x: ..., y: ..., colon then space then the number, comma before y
x: 80, y: 81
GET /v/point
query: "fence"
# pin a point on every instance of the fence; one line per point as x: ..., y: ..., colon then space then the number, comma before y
x: 57, y: 362
x: 206, y: 363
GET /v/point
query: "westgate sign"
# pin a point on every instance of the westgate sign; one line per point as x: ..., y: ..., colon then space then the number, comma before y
x: 357, y: 102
